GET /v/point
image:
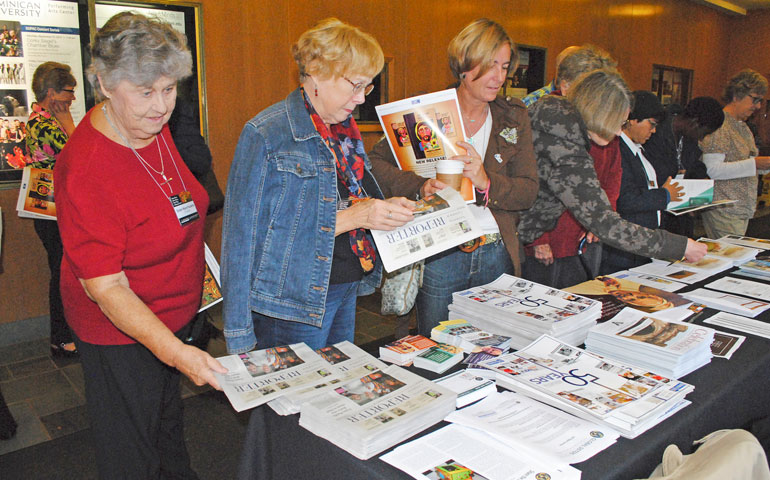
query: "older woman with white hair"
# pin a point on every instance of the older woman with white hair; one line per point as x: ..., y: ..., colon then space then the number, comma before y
x: 731, y: 157
x: 300, y: 200
x: 131, y: 217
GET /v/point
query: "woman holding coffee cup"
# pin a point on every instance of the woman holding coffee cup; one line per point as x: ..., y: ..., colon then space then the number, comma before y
x: 499, y: 161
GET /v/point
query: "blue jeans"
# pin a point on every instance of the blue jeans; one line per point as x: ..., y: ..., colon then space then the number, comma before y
x: 338, y: 324
x: 452, y: 271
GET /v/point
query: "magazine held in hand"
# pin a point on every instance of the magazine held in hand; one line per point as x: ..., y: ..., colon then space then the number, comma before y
x: 424, y: 129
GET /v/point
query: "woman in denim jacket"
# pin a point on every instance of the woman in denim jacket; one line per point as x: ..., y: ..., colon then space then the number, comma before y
x: 300, y: 200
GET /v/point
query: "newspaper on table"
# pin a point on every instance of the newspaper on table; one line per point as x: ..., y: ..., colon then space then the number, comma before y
x: 617, y: 292
x: 536, y: 428
x: 649, y: 280
x: 462, y: 333
x: 626, y: 398
x: 259, y: 376
x: 740, y: 286
x: 760, y: 243
x: 36, y: 194
x: 459, y: 452
x: 736, y: 254
x: 524, y: 310
x: 727, y: 302
x: 345, y: 360
x: 672, y: 349
x: 678, y: 272
x: 366, y: 415
x: 424, y: 129
x: 442, y: 221
x: 740, y: 323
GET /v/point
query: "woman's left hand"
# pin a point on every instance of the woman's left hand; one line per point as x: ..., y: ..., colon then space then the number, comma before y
x: 375, y: 214
x: 474, y: 166
x: 198, y: 366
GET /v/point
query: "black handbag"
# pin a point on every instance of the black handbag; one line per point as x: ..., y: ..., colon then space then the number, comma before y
x: 216, y: 196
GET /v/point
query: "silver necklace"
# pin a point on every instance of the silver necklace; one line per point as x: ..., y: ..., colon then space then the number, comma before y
x: 145, y: 164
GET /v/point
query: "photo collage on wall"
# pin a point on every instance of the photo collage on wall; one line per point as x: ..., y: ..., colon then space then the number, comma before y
x: 44, y: 31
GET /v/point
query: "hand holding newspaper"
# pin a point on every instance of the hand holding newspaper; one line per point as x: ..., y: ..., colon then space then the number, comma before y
x: 442, y: 221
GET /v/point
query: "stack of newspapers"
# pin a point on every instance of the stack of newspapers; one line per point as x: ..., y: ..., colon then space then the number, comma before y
x: 463, y: 334
x: 369, y: 414
x: 672, y: 349
x: 344, y: 361
x: 627, y: 399
x: 525, y: 310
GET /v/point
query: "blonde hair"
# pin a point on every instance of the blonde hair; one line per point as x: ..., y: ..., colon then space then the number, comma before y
x: 743, y: 83
x: 477, y: 44
x: 583, y: 60
x: 332, y: 48
x: 603, y: 100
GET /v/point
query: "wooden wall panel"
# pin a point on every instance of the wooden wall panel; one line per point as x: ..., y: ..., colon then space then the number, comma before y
x: 749, y: 39
x: 249, y: 67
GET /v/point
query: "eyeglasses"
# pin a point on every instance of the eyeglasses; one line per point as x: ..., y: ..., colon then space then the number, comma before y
x: 756, y: 100
x: 360, y: 87
x: 653, y: 123
x: 70, y: 90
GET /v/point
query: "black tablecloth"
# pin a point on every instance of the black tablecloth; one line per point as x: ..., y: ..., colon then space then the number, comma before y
x: 728, y: 394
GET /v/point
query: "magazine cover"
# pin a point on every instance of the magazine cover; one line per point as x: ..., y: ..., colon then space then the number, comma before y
x: 618, y: 293
x: 212, y: 287
x: 424, y: 129
x: 36, y: 194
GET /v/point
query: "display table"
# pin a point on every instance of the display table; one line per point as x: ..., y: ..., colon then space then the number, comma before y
x: 731, y: 393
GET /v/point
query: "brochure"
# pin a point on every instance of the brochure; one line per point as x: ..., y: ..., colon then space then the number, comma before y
x: 441, y: 221
x: 424, y: 129
x: 742, y: 287
x: 728, y: 303
x: 740, y: 323
x: 695, y: 193
x: 725, y: 344
x: 36, y: 194
x: 761, y: 243
x: 212, y: 286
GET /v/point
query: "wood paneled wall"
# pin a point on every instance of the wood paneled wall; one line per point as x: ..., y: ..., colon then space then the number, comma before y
x: 249, y: 67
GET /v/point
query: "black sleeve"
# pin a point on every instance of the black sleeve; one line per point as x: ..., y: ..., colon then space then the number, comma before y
x: 185, y: 130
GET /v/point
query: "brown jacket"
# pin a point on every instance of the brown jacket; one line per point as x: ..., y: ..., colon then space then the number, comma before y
x: 513, y: 179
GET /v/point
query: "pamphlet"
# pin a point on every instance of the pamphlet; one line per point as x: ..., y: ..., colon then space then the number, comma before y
x: 212, y: 286
x: 36, y: 194
x: 424, y: 129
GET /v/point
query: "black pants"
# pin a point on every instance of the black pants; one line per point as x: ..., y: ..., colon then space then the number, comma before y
x: 135, y: 408
x: 48, y: 231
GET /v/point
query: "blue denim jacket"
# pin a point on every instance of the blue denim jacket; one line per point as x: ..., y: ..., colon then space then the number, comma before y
x: 279, y: 222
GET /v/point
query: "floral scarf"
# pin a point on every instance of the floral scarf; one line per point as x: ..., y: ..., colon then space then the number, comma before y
x: 344, y: 140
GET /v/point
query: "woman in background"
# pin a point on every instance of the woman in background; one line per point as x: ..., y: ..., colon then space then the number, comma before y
x: 593, y: 110
x: 499, y: 160
x: 132, y: 216
x: 49, y: 127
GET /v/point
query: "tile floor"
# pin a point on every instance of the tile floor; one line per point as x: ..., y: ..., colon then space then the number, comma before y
x: 46, y: 397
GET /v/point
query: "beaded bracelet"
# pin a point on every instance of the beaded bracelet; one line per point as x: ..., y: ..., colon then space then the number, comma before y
x: 485, y: 192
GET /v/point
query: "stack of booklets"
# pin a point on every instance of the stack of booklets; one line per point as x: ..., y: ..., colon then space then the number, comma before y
x: 344, y: 361
x: 727, y: 251
x: 367, y: 415
x: 36, y: 194
x: 757, y: 268
x: 625, y: 398
x: 670, y: 348
x: 260, y: 376
x: 468, y: 386
x: 760, y: 243
x: 440, y: 358
x: 727, y: 302
x: 618, y: 292
x: 524, y: 310
x: 463, y: 334
x: 402, y: 351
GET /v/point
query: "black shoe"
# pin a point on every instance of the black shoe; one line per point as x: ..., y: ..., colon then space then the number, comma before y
x: 60, y: 351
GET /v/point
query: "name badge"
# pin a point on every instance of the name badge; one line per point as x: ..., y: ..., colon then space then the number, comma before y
x: 184, y: 207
